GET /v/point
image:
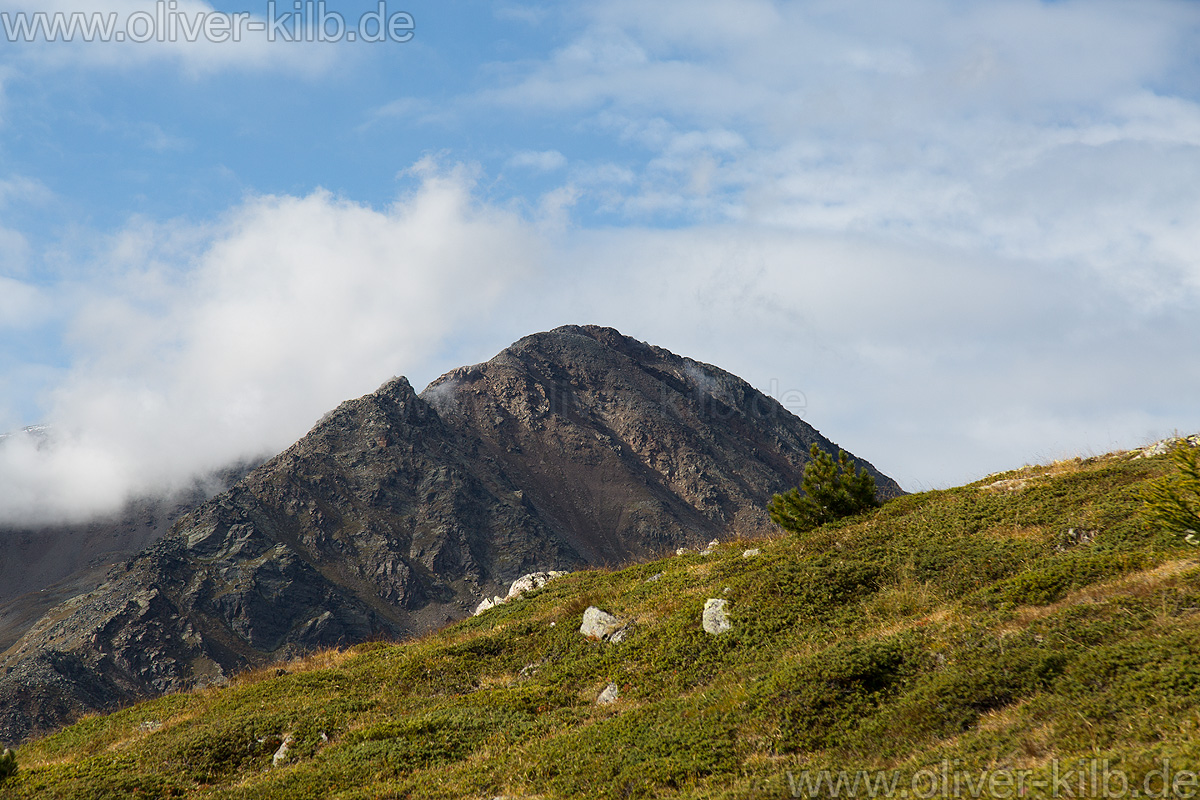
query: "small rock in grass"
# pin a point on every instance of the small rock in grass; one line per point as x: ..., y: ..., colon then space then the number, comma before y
x: 714, y: 619
x: 282, y: 753
x: 488, y: 602
x: 751, y: 553
x: 611, y: 694
x: 599, y: 624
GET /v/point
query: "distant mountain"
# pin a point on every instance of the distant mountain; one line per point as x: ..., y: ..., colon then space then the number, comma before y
x: 399, y: 511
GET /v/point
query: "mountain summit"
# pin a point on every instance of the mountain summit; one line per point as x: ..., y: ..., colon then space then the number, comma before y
x: 399, y: 511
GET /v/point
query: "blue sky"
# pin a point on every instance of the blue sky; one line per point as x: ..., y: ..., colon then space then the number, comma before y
x: 959, y: 236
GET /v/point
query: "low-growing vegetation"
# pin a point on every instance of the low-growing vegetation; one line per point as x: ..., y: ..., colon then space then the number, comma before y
x: 1017, y: 624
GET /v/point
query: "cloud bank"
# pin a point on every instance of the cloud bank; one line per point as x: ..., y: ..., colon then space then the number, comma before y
x: 187, y: 361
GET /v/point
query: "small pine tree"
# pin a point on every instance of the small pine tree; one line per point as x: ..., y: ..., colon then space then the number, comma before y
x: 8, y: 764
x: 832, y: 490
x: 1174, y: 501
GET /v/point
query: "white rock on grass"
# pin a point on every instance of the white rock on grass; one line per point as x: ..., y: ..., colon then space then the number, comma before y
x: 281, y: 754
x: 486, y: 603
x: 599, y: 624
x: 1165, y: 446
x: 712, y: 547
x: 611, y: 694
x: 525, y: 583
x: 714, y: 619
x: 534, y: 580
x: 751, y: 553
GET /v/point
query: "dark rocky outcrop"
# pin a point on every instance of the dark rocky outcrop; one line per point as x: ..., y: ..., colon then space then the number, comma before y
x: 398, y: 511
x: 42, y: 565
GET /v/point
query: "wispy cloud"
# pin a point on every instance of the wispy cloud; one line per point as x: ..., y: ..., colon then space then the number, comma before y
x: 538, y: 160
x: 1059, y: 132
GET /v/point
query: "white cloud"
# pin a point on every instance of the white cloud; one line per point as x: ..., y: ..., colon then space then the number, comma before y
x: 295, y: 304
x: 24, y: 190
x: 22, y: 305
x: 1065, y: 133
x: 936, y: 363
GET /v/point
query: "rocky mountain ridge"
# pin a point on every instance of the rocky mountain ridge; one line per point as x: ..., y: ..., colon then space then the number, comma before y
x: 399, y: 511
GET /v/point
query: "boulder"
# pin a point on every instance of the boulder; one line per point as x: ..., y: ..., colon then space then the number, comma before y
x: 599, y: 624
x: 523, y: 584
x: 714, y: 619
x: 534, y: 580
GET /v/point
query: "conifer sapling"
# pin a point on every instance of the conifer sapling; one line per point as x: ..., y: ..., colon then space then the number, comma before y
x: 831, y: 490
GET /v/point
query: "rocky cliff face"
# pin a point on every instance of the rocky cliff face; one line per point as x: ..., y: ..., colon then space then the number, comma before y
x: 397, y: 512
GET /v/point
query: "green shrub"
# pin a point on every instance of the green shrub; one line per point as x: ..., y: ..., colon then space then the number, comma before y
x: 1044, y: 585
x: 1174, y: 501
x: 823, y: 699
x: 831, y: 491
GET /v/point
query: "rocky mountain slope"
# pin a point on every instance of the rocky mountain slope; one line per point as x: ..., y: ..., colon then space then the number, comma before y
x: 42, y: 565
x: 398, y: 512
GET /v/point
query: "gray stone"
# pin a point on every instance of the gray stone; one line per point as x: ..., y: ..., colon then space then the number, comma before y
x: 714, y: 619
x: 281, y: 755
x: 599, y: 624
x: 712, y: 547
x: 486, y: 603
x: 611, y: 694
x: 751, y: 553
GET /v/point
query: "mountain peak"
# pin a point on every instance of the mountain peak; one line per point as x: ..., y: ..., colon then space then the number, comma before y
x: 573, y: 447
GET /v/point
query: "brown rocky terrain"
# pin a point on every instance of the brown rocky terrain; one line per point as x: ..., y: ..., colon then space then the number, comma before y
x: 399, y: 511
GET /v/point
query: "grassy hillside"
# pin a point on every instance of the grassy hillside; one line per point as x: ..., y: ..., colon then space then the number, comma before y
x: 1006, y: 628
